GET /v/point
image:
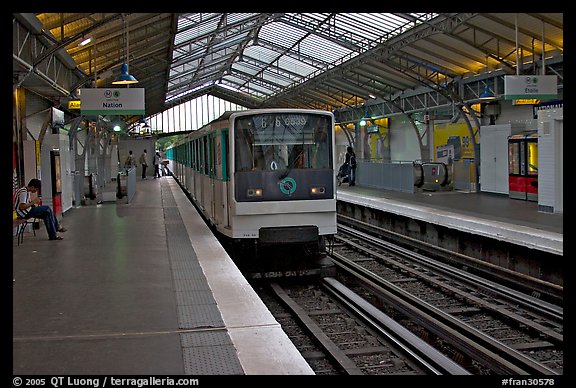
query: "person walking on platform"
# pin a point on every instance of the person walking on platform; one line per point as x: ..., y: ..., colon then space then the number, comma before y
x: 144, y: 162
x: 351, y: 161
x: 27, y: 207
x: 156, y: 162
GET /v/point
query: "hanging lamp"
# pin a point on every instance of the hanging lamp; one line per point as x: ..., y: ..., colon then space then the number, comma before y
x: 364, y: 119
x: 125, y: 78
x: 487, y: 94
x: 145, y: 130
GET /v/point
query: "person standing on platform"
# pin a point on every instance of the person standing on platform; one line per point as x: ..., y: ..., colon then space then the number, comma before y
x: 144, y: 162
x: 351, y: 161
x: 130, y: 160
x: 27, y: 207
x: 156, y: 162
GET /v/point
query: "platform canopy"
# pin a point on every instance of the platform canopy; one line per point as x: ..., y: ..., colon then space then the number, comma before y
x: 307, y: 60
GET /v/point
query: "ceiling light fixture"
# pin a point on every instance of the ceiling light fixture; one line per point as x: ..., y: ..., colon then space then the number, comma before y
x: 125, y: 78
x: 487, y: 94
x: 85, y: 41
x: 363, y: 120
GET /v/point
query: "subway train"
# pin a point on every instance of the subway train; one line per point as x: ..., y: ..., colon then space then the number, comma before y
x: 264, y: 179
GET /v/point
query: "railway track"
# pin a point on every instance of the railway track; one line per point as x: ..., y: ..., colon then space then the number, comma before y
x: 505, y: 330
x: 537, y: 288
x: 338, y: 332
x: 358, y: 320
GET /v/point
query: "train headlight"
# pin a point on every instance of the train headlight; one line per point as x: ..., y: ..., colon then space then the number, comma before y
x: 317, y: 190
x: 254, y: 192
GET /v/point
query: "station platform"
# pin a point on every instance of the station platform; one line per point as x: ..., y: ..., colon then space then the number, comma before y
x: 140, y: 289
x: 491, y: 215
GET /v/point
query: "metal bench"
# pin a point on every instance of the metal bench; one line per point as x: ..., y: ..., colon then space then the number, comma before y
x: 21, y: 224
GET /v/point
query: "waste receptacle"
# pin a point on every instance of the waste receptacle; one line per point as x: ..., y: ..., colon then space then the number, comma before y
x: 120, y: 185
x: 90, y: 186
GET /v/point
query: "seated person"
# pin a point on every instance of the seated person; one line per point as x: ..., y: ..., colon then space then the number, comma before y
x: 26, y: 208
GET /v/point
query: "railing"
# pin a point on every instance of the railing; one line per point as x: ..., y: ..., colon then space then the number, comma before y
x: 131, y: 183
x: 127, y: 184
x: 396, y: 176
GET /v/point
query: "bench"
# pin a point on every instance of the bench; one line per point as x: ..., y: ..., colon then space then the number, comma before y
x: 21, y: 224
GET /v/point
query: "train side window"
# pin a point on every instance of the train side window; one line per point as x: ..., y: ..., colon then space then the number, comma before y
x: 532, y: 149
x: 198, y: 155
x: 321, y: 152
x: 193, y: 155
x: 296, y: 158
x: 243, y: 149
x: 213, y: 156
x: 205, y: 157
x: 514, y: 157
x: 191, y: 150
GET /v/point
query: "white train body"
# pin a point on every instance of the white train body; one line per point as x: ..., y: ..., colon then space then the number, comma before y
x: 265, y: 175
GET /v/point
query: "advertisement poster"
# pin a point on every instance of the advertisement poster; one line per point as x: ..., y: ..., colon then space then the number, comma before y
x: 456, y: 135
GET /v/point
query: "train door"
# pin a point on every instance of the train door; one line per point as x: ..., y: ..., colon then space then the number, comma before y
x: 532, y: 167
x: 516, y: 167
x: 225, y: 171
x: 199, y: 180
x: 523, y: 166
x: 195, y: 160
x: 217, y: 177
x: 207, y: 176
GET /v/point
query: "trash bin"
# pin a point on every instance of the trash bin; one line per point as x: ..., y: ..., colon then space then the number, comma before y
x: 90, y: 186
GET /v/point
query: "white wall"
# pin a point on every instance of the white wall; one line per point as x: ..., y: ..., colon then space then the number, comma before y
x: 550, y: 160
x: 404, y: 144
x: 137, y: 146
x: 517, y: 114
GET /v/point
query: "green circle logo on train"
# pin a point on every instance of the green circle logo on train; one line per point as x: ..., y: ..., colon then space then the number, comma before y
x: 287, y: 186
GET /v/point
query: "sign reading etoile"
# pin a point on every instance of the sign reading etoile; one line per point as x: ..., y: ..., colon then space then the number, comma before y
x: 103, y: 101
x: 530, y: 86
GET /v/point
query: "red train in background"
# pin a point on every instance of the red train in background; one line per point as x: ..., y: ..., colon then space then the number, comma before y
x: 523, y: 166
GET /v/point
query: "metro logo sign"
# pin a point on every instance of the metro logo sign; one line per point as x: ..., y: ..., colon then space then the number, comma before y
x: 105, y: 101
x: 530, y: 86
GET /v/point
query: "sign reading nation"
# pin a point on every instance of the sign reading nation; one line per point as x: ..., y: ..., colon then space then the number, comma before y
x: 103, y: 101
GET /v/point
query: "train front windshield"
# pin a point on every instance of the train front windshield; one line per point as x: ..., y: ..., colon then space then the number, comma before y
x: 283, y: 141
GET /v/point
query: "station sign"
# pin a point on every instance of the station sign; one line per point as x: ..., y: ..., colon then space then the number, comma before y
x: 105, y: 101
x: 530, y: 86
x: 526, y: 101
x: 74, y: 104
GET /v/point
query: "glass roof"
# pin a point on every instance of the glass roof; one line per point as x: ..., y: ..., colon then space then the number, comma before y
x: 262, y: 54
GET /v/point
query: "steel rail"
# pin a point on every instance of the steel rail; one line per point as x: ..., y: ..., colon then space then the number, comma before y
x: 430, y: 358
x: 520, y: 281
x: 334, y: 352
x: 547, y: 310
x: 477, y: 345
